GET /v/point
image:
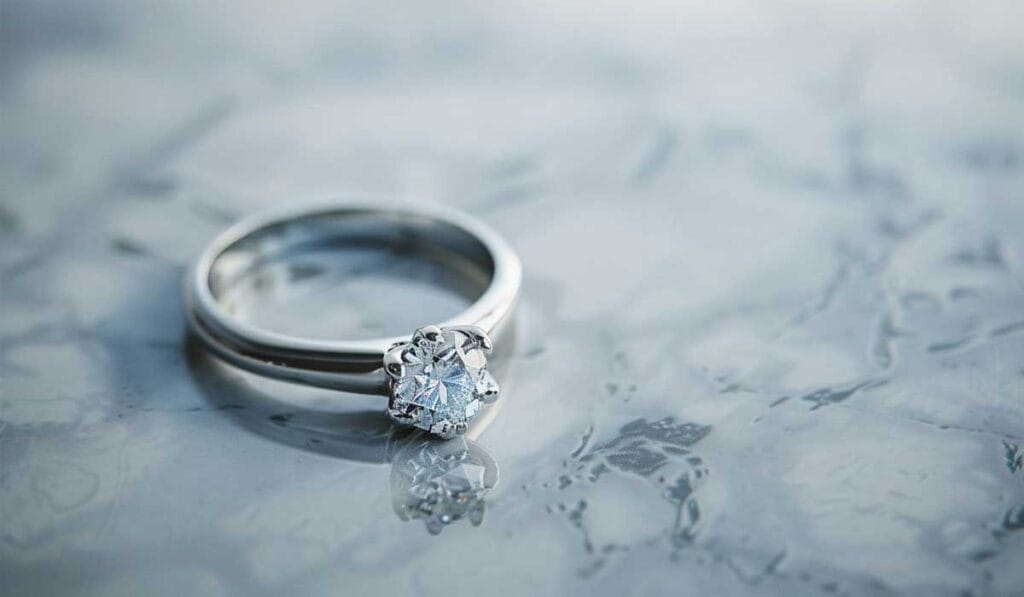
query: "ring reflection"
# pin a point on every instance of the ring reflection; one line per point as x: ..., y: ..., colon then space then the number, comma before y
x: 438, y: 482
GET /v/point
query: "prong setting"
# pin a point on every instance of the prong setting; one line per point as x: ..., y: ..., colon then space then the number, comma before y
x: 438, y: 380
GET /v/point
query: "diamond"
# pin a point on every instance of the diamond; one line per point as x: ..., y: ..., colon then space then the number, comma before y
x: 439, y: 379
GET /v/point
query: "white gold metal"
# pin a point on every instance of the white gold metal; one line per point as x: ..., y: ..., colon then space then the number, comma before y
x: 359, y: 366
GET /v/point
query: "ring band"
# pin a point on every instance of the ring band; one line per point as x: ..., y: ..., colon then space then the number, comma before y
x: 436, y: 377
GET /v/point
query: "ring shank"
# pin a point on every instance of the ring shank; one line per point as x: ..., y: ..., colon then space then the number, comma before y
x: 446, y: 235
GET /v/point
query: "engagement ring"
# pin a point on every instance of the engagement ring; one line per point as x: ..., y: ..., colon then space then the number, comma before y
x: 436, y: 378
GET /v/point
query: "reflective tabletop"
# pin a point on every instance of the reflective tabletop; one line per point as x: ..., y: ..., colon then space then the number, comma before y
x: 770, y: 339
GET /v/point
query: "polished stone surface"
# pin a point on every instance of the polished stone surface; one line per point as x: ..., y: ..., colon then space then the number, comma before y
x: 771, y: 339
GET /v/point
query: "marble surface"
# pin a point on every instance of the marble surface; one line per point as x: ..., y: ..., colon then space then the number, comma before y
x: 771, y: 339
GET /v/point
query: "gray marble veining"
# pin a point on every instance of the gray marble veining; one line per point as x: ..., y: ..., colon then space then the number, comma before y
x: 771, y: 339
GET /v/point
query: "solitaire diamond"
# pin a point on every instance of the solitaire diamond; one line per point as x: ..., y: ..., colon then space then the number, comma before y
x: 439, y: 379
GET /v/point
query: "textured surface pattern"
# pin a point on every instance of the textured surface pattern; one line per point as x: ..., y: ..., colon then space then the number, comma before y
x: 772, y: 334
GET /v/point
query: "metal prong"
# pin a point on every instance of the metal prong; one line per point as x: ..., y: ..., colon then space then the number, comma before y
x: 430, y: 333
x: 402, y: 416
x: 394, y: 364
x: 476, y: 337
x: 488, y: 387
x: 444, y: 430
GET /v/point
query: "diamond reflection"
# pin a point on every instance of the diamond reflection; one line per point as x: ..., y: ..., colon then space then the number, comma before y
x: 442, y: 482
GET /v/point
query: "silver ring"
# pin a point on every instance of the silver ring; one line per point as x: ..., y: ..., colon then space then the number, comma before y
x: 436, y: 378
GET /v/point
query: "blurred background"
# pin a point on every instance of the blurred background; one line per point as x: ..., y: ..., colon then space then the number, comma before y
x: 771, y: 339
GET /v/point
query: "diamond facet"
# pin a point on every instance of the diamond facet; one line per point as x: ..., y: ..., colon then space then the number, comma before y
x: 439, y: 379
